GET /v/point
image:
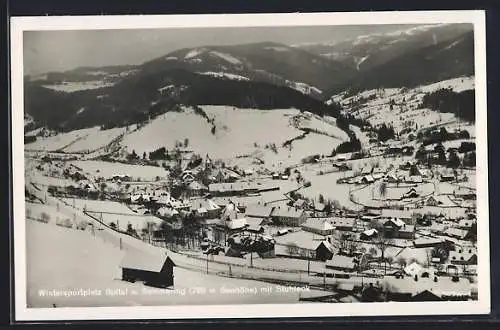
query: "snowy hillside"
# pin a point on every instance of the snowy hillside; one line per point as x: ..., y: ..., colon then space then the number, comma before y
x: 237, y: 132
x: 83, y: 140
x: 405, y: 111
x: 70, y: 87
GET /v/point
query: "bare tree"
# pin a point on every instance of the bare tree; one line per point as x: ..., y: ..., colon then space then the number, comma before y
x: 382, y: 189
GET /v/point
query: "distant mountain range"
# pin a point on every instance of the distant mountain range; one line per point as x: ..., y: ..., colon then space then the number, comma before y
x: 442, y: 60
x: 260, y: 75
x: 368, y: 51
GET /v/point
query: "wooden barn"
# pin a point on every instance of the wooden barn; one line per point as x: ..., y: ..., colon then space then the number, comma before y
x: 152, y: 269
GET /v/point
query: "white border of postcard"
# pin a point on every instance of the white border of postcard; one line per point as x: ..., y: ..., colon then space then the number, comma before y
x: 20, y: 24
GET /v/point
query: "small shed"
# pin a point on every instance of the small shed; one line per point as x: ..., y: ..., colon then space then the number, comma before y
x: 152, y: 269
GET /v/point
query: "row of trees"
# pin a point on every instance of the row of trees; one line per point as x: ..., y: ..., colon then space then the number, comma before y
x: 446, y: 100
x: 430, y: 137
x: 452, y: 160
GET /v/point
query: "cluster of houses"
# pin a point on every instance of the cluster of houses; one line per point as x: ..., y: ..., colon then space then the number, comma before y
x: 295, y: 230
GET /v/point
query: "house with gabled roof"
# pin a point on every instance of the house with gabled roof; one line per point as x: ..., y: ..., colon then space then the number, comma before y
x: 463, y: 256
x: 342, y: 263
x: 319, y: 226
x: 324, y: 251
x: 152, y: 269
x: 288, y: 215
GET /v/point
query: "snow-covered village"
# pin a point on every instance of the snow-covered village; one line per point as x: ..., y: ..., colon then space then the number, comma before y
x: 205, y: 169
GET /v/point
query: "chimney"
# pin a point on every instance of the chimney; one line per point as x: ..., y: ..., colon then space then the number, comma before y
x: 416, y: 278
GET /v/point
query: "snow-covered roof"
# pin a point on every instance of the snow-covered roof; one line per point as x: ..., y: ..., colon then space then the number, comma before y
x: 370, y: 232
x: 287, y: 212
x: 397, y: 222
x: 328, y: 245
x: 427, y: 241
x: 413, y: 269
x: 462, y: 254
x: 444, y: 286
x: 258, y: 210
x: 195, y: 185
x: 342, y: 222
x: 391, y: 213
x: 455, y: 232
x: 167, y: 212
x: 144, y: 261
x: 339, y: 261
x: 317, y: 224
x: 236, y: 223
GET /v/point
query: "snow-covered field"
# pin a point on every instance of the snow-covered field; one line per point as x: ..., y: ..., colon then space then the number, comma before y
x: 227, y: 57
x: 35, y: 211
x: 70, y: 87
x: 122, y: 222
x: 59, y: 141
x: 325, y: 126
x: 108, y: 170
x: 77, y: 260
x: 108, y: 212
x: 96, y: 139
x: 98, y: 206
x: 82, y: 140
x: 39, y: 179
x: 235, y: 132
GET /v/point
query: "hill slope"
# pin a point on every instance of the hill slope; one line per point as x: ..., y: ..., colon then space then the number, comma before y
x: 149, y: 92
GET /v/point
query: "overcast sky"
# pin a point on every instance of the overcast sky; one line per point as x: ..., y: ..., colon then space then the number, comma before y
x: 46, y: 51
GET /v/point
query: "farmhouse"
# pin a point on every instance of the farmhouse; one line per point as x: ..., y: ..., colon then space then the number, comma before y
x: 206, y: 208
x: 254, y: 225
x: 369, y: 234
x: 397, y: 228
x: 287, y: 215
x: 154, y: 270
x: 343, y: 224
x: 167, y: 212
x: 319, y: 226
x: 463, y: 256
x: 258, y: 211
x: 342, y: 263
